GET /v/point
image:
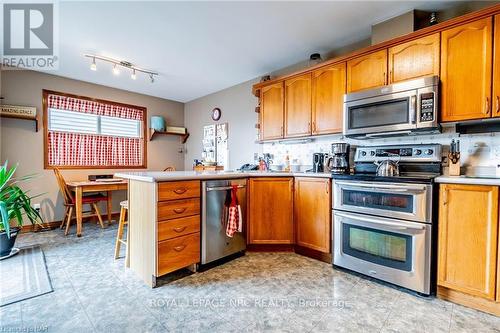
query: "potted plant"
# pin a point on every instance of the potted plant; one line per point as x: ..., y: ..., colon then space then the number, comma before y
x: 14, y: 205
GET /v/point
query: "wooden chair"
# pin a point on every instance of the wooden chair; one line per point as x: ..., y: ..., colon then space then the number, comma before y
x: 119, y: 236
x: 169, y: 168
x: 69, y: 202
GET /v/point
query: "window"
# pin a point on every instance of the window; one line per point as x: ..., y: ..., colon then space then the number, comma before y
x: 81, y: 132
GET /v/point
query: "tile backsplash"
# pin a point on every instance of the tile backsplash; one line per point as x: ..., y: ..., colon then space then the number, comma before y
x: 480, y: 153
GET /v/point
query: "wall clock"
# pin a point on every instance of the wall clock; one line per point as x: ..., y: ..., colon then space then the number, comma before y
x: 216, y: 114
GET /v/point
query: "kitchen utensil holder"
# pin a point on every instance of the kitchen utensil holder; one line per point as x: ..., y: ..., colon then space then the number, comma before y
x: 454, y: 167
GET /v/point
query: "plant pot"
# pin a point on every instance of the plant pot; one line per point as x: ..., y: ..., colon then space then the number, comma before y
x: 6, y: 243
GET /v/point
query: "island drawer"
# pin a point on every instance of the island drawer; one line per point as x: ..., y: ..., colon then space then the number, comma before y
x: 178, y: 208
x: 178, y: 227
x: 178, y: 252
x: 178, y: 190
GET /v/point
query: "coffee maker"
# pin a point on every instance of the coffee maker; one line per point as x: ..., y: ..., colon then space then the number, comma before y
x: 339, y: 161
x: 318, y: 162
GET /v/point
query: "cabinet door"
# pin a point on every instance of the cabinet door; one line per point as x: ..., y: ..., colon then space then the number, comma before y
x: 312, y: 213
x: 298, y: 106
x: 270, y: 211
x: 496, y: 69
x: 367, y: 71
x: 416, y: 58
x: 271, y: 108
x: 466, y: 62
x: 468, y: 231
x: 329, y: 88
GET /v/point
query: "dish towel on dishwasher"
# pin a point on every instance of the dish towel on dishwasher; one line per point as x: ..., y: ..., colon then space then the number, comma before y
x: 234, y: 222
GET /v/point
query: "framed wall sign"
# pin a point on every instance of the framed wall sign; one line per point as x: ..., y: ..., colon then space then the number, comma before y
x: 15, y: 111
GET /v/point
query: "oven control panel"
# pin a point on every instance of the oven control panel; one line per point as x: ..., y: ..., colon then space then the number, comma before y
x: 423, y: 153
x: 427, y: 107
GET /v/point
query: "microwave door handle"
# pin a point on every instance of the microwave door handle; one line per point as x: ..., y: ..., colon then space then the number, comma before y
x: 376, y: 220
x: 413, y: 106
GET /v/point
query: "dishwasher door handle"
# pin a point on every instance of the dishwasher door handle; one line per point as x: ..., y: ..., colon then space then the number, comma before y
x: 223, y: 188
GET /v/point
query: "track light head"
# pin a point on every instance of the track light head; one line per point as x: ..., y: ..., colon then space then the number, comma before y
x: 116, y: 70
x: 151, y: 76
x: 93, y: 65
x: 133, y: 76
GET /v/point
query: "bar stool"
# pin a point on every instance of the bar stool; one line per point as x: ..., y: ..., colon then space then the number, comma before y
x: 119, y: 237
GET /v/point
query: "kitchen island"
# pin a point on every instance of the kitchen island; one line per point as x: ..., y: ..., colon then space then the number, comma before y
x: 165, y: 217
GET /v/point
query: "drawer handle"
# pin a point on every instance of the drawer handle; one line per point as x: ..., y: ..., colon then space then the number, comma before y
x: 179, y: 248
x: 180, y: 210
x: 179, y: 229
x: 180, y: 190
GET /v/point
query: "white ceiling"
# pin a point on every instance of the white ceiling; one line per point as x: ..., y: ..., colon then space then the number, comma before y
x: 203, y: 47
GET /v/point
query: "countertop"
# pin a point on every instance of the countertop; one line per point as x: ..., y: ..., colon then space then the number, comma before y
x: 160, y: 176
x: 472, y: 180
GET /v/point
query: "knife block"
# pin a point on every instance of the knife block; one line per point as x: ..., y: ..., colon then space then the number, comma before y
x: 454, y: 168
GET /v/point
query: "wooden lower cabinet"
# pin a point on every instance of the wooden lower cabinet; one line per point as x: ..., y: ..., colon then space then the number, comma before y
x: 312, y: 206
x: 270, y: 210
x: 177, y: 253
x: 468, y: 245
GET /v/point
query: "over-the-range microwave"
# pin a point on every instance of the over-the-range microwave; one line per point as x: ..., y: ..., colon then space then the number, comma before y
x: 408, y: 107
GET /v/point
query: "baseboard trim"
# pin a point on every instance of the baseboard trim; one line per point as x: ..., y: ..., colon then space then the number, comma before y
x: 470, y: 301
x: 270, y: 247
x: 55, y: 224
x: 315, y: 254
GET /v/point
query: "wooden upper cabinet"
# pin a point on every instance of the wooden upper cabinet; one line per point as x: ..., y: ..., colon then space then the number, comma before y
x: 271, y: 108
x: 468, y: 235
x: 466, y: 65
x: 496, y: 71
x: 298, y: 106
x: 270, y: 210
x: 328, y: 89
x: 367, y: 71
x: 312, y: 213
x: 416, y: 58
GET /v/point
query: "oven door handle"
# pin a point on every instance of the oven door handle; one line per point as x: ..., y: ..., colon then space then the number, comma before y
x: 377, y: 220
x: 399, y: 188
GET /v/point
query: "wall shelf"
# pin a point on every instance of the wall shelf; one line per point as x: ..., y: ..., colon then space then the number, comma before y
x: 153, y: 133
x: 22, y: 118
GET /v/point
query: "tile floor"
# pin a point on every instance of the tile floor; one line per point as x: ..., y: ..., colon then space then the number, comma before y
x: 279, y: 292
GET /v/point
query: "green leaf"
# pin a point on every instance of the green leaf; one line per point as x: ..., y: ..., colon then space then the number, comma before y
x: 5, y: 218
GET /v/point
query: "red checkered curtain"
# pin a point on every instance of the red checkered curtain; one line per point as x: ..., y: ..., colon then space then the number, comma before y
x: 93, y: 150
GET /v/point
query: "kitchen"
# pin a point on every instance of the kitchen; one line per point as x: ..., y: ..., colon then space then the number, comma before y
x: 370, y: 188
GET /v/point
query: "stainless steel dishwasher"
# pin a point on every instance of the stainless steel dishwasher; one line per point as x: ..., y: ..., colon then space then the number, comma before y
x: 214, y: 242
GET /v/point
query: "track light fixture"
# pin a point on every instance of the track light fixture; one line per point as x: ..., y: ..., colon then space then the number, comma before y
x: 121, y: 63
x: 93, y: 65
x: 116, y: 70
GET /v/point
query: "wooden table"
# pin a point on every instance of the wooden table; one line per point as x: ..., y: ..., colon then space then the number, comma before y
x: 95, y: 186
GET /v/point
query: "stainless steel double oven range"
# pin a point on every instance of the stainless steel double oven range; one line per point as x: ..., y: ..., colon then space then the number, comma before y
x: 383, y: 226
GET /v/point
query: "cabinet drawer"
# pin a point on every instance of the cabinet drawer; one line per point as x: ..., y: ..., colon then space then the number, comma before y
x: 178, y: 190
x: 178, y: 227
x: 177, y: 253
x: 178, y: 208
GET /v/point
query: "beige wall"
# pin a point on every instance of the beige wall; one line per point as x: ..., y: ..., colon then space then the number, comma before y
x: 21, y: 144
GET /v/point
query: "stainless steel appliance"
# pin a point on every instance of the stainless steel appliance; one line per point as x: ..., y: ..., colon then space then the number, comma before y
x: 400, y: 108
x: 214, y: 242
x: 339, y: 161
x: 383, y: 226
x: 318, y: 162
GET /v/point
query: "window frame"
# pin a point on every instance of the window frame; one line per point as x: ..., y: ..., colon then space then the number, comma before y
x: 45, y: 95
